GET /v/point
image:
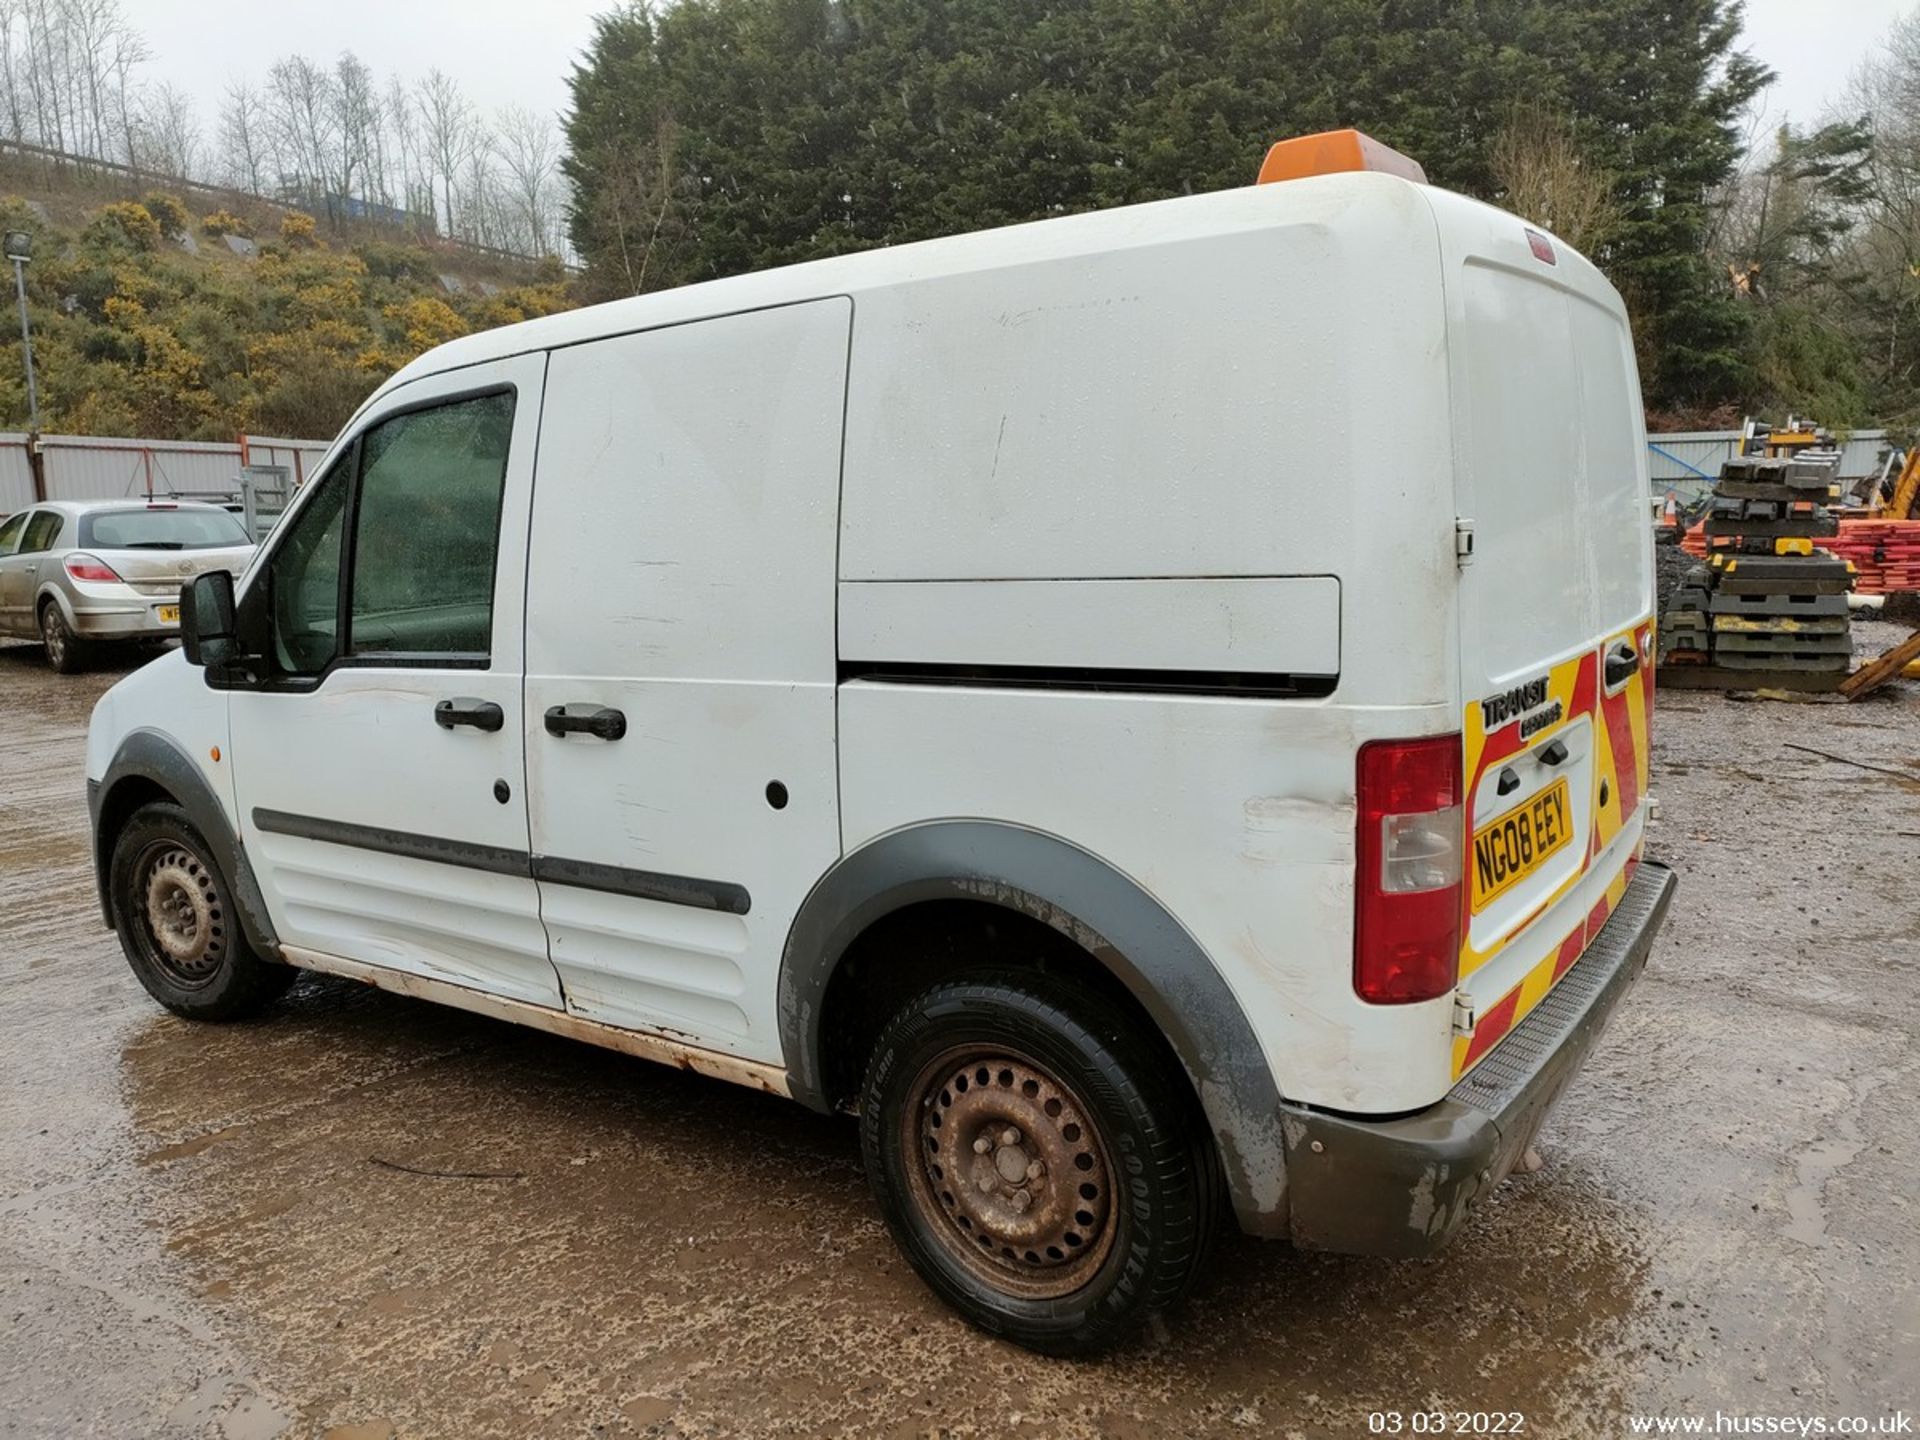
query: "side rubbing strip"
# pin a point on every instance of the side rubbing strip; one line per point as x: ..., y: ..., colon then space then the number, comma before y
x: 643, y: 884
x: 1056, y: 677
x: 494, y: 859
x: 497, y: 860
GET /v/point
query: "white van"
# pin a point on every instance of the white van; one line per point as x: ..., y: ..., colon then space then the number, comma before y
x: 1149, y: 710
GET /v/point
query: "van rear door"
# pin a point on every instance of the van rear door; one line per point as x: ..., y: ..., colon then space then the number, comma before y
x: 1555, y: 606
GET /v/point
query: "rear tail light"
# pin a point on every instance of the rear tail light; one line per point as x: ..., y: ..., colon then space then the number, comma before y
x: 1407, y: 898
x: 82, y: 566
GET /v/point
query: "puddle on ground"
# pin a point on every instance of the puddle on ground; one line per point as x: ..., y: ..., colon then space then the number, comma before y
x: 679, y: 1251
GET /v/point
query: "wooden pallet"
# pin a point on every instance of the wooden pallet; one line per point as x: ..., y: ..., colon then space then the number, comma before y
x: 1877, y: 672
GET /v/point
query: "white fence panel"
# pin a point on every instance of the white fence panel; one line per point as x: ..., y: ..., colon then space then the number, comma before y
x: 1689, y: 462
x: 99, y: 467
x: 16, y: 474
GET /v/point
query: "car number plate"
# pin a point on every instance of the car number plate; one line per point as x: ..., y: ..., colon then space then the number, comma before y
x: 1512, y: 846
x: 169, y: 614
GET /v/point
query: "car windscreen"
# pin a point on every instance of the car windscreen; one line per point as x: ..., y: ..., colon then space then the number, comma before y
x: 145, y: 529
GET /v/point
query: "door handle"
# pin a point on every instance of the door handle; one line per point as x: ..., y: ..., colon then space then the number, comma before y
x: 475, y: 714
x: 1622, y: 661
x: 601, y: 720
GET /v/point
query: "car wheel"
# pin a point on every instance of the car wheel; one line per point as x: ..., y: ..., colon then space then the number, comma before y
x: 173, y: 913
x: 1039, y: 1159
x: 66, y: 652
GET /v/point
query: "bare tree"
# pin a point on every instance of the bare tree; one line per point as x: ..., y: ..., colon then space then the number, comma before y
x: 243, y: 136
x: 447, y: 133
x: 168, y: 133
x: 95, y: 27
x: 310, y: 133
x: 631, y: 210
x: 129, y: 51
x: 1546, y: 178
x: 305, y: 121
x: 530, y: 152
x: 10, y: 66
x: 356, y: 119
x: 1885, y: 93
x: 400, y: 115
x: 43, y: 74
x: 379, y: 178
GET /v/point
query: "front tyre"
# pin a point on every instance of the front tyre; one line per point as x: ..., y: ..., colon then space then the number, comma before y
x: 1039, y: 1159
x: 173, y: 912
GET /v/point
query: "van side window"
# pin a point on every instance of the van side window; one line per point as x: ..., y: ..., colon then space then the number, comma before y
x: 427, y: 530
x: 303, y: 584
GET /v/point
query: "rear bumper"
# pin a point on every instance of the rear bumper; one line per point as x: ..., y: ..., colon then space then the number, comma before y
x: 126, y: 619
x: 1402, y: 1187
x: 121, y: 627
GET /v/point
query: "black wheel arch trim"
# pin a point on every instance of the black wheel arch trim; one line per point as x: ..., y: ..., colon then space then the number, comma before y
x: 150, y: 756
x: 1102, y: 911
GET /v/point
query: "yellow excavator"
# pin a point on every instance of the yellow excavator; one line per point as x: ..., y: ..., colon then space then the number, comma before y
x: 1903, y: 501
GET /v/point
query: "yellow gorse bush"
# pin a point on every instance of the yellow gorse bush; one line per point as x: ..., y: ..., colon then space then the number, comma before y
x: 135, y: 336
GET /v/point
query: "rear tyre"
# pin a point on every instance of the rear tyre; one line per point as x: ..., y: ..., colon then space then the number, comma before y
x: 173, y: 913
x: 1040, y: 1160
x: 66, y: 652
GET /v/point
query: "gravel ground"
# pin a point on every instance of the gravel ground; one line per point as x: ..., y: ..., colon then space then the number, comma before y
x: 197, y: 1241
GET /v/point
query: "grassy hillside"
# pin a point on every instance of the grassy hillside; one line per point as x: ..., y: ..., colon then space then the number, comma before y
x: 146, y: 321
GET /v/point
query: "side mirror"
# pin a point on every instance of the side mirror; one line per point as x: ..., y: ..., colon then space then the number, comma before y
x: 206, y: 619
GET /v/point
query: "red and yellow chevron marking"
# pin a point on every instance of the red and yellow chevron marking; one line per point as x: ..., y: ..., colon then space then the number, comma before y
x: 1573, y: 683
x: 1622, y: 723
x: 1621, y: 731
x: 1513, y: 1007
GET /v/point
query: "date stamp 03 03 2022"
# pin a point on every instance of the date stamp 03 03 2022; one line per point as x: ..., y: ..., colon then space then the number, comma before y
x: 1514, y: 1422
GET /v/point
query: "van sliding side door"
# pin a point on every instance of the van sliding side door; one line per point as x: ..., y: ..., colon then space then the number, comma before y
x: 681, y: 664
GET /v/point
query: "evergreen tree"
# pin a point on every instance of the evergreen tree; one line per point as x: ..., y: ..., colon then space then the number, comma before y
x: 802, y: 128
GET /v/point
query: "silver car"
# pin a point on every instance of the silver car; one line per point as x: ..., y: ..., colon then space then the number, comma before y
x: 74, y: 575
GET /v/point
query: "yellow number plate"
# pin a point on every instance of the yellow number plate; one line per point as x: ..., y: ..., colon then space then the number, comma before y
x: 1512, y: 847
x: 169, y: 614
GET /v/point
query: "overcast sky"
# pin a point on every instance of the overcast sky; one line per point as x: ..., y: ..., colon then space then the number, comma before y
x: 519, y: 51
x: 503, y: 52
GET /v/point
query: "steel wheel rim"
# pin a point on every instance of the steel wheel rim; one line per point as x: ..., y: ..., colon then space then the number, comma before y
x: 181, y: 916
x: 1009, y: 1172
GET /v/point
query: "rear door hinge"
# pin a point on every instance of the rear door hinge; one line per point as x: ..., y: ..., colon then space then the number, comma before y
x: 1462, y: 541
x: 1463, y: 1016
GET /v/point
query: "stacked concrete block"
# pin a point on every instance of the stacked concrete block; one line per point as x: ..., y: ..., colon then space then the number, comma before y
x: 1768, y: 602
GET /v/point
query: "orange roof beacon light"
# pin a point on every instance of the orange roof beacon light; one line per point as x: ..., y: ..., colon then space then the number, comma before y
x: 1333, y: 151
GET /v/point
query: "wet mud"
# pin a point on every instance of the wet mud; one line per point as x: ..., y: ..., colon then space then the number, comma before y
x: 365, y: 1216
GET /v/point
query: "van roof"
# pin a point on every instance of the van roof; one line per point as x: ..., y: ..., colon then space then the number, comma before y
x: 1092, y: 232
